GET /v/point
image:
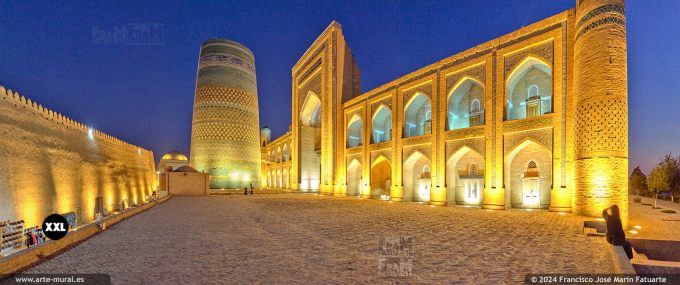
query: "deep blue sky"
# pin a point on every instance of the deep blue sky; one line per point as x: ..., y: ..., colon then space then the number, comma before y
x: 144, y: 94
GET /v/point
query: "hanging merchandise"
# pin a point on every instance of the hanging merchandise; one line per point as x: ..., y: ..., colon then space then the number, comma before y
x: 71, y: 219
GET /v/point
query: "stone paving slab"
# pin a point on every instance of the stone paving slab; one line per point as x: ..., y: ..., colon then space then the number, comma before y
x: 308, y: 239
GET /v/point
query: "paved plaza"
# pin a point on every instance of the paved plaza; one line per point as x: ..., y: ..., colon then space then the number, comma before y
x: 654, y: 224
x: 310, y: 239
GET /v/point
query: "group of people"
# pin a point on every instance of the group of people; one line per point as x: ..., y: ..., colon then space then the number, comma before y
x: 246, y: 191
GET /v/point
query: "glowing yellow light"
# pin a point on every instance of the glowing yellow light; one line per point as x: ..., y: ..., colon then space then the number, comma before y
x: 562, y: 213
x: 432, y: 206
x: 489, y: 210
x: 633, y: 232
x: 637, y: 227
x: 600, y: 219
x: 90, y: 133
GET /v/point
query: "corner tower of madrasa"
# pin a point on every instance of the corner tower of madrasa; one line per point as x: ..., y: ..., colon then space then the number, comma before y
x: 535, y: 119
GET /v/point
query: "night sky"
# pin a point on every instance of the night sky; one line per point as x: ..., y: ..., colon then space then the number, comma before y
x: 144, y: 93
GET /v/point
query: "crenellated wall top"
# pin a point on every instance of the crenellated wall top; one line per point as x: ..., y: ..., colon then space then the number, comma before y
x: 7, y: 96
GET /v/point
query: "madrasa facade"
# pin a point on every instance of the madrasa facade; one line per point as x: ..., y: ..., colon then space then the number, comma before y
x: 535, y: 119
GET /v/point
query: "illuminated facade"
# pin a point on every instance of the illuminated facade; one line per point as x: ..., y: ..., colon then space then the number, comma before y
x: 225, y: 134
x: 534, y: 119
x: 54, y: 164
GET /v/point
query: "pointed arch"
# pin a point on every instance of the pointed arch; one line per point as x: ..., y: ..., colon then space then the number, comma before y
x: 309, y: 150
x: 354, y: 131
x: 310, y: 114
x: 285, y: 151
x: 415, y: 155
x: 381, y: 124
x: 532, y: 72
x: 463, y: 150
x: 418, y: 116
x: 528, y: 187
x: 460, y: 110
x: 417, y: 181
x: 354, y: 178
x: 353, y: 162
x: 465, y: 177
x: 381, y: 177
x: 523, y: 144
x: 378, y: 159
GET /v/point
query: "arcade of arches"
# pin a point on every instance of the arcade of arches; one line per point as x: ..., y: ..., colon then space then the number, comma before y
x: 493, y: 126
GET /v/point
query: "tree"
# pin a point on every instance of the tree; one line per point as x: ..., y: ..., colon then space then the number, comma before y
x: 665, y: 176
x: 637, y: 182
x: 673, y: 165
x: 658, y: 180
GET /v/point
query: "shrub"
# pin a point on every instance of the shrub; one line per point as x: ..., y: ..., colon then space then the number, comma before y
x: 668, y: 211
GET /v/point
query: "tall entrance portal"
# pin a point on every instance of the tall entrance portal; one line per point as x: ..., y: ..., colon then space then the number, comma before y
x: 310, y: 143
x: 324, y: 77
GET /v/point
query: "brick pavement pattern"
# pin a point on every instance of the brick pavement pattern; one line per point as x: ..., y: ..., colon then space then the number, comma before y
x: 655, y: 224
x: 309, y: 239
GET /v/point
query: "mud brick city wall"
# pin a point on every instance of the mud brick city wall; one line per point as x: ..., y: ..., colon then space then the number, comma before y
x: 53, y: 164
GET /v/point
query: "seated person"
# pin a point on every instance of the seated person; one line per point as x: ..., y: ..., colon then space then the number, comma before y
x: 615, y: 233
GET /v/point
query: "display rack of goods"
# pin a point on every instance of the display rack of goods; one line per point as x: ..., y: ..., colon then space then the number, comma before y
x: 34, y: 236
x: 12, y: 236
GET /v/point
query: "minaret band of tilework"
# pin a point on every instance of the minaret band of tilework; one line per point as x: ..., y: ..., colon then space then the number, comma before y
x: 225, y: 132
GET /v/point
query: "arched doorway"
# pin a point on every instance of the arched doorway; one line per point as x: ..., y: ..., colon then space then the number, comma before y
x: 465, y: 177
x: 354, y: 178
x: 528, y: 176
x: 381, y: 178
x: 416, y: 174
x: 310, y: 143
